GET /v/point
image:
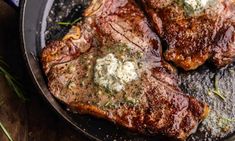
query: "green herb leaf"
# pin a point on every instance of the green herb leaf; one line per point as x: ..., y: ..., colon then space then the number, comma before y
x: 217, y: 90
x: 6, y: 132
x: 229, y: 119
x: 131, y: 101
x: 64, y: 23
x: 69, y: 23
x: 13, y: 83
x: 110, y: 105
x: 218, y: 93
x: 77, y: 20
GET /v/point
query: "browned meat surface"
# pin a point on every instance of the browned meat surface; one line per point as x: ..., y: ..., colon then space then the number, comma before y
x: 195, y: 37
x: 151, y: 103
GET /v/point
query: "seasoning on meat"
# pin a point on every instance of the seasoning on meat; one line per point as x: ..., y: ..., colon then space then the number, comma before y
x: 192, y: 40
x: 116, y: 41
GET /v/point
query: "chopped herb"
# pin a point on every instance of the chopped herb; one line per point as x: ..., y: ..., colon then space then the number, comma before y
x: 191, y: 6
x: 131, y: 101
x: 217, y: 91
x: 229, y: 119
x: 71, y: 85
x: 6, y: 132
x: 128, y: 49
x: 120, y: 49
x: 219, y: 94
x: 139, y: 54
x: 13, y: 83
x: 224, y: 123
x: 108, y: 91
x: 109, y: 105
x: 69, y: 23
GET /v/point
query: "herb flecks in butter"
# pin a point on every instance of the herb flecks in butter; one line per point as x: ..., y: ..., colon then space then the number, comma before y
x: 113, y: 73
x: 194, y: 6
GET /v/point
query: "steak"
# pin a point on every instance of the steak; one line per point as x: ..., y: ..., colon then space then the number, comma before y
x: 110, y: 65
x: 194, y: 36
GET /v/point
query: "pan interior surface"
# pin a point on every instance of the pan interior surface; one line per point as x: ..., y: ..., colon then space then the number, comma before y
x: 40, y: 25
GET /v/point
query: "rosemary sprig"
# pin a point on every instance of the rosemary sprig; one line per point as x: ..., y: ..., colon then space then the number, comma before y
x: 6, y: 132
x: 218, y: 93
x: 15, y: 86
x: 217, y: 90
x: 69, y: 23
x: 12, y: 82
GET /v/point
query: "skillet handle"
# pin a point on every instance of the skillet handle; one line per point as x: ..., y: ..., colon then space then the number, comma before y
x: 13, y: 3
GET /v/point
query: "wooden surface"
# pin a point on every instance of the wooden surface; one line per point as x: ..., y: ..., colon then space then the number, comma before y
x: 33, y: 120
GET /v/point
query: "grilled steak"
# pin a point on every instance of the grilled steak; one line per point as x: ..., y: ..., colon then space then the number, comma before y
x: 110, y: 65
x: 195, y: 31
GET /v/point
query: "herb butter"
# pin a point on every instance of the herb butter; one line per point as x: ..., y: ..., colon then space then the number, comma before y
x: 113, y: 74
x: 192, y: 6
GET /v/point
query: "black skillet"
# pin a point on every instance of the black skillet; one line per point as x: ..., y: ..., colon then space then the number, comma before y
x: 33, y: 23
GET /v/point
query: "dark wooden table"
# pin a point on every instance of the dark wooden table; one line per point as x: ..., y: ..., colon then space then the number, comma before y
x: 33, y: 120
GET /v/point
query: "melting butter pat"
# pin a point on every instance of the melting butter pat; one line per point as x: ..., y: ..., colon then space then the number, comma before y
x: 113, y: 74
x: 196, y: 4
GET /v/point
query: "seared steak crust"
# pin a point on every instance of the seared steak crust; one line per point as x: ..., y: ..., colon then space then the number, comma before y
x: 152, y: 104
x: 193, y: 39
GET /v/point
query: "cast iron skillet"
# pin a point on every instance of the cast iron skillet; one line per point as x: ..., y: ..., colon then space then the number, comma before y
x: 33, y: 15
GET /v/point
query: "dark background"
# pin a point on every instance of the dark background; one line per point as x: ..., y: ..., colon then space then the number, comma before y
x: 33, y: 120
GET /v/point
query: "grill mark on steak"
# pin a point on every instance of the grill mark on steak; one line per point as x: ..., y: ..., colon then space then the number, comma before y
x: 152, y: 104
x: 192, y: 40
